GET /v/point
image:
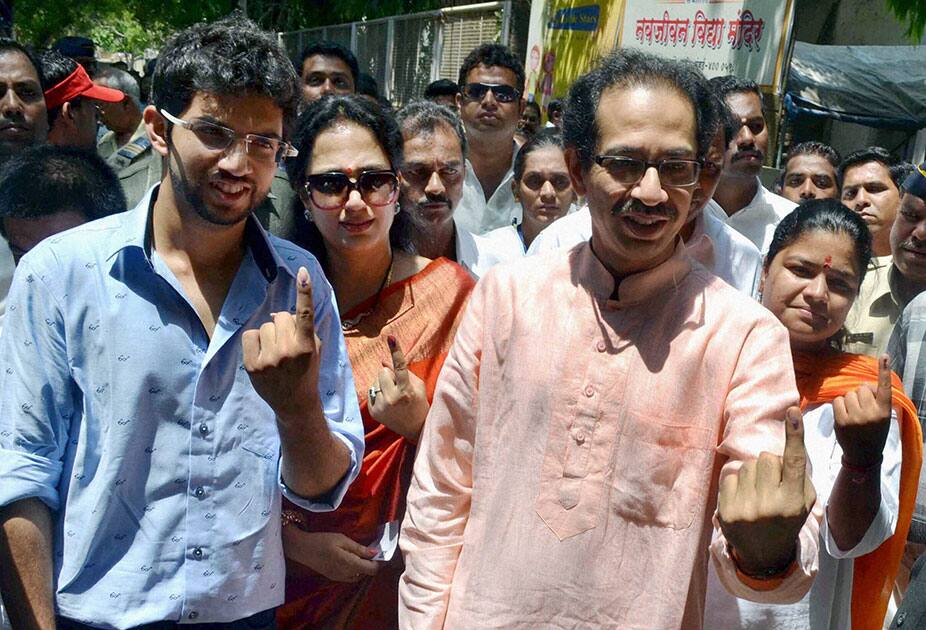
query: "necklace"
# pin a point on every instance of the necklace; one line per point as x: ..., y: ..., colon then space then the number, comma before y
x: 347, y: 324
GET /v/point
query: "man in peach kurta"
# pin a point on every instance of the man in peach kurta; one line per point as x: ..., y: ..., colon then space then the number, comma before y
x: 594, y: 398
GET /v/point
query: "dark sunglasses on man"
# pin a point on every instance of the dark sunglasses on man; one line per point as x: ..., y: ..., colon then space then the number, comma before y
x: 330, y: 191
x: 502, y: 93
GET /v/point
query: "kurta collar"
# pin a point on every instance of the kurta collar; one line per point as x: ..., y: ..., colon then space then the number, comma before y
x: 634, y: 289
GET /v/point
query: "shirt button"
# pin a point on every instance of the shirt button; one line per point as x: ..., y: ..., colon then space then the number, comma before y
x: 198, y: 553
x: 580, y: 436
x: 589, y: 391
x: 200, y: 492
x: 203, y: 429
x: 601, y: 347
x: 193, y: 615
x: 900, y: 618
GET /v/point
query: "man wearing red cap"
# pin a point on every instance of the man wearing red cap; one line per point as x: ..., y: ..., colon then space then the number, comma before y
x: 69, y: 96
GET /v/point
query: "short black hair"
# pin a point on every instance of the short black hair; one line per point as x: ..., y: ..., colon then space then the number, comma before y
x: 56, y: 68
x: 898, y: 169
x: 232, y: 57
x: 554, y: 107
x: 11, y: 45
x: 493, y: 54
x: 46, y: 179
x: 731, y: 84
x: 424, y: 116
x: 629, y: 68
x: 441, y: 87
x: 367, y: 86
x: 321, y: 115
x: 541, y: 139
x: 328, y: 48
x: 533, y: 105
x: 812, y: 147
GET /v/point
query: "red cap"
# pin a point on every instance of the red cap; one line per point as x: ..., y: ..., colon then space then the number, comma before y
x: 76, y: 84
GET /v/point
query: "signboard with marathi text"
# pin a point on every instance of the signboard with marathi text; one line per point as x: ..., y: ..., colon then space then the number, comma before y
x: 748, y: 38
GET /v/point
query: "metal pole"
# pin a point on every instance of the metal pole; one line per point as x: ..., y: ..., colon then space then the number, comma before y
x: 506, y: 21
x: 389, y: 70
x: 437, y: 51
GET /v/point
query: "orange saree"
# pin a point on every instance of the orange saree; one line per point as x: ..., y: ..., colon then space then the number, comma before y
x: 820, y: 379
x: 423, y: 313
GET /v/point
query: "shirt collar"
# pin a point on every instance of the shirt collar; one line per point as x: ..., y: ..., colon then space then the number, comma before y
x: 634, y: 289
x: 135, y: 231
x: 700, y: 247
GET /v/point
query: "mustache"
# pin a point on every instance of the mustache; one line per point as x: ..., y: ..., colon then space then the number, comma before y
x: 915, y: 245
x: 739, y: 155
x: 435, y: 199
x: 638, y: 207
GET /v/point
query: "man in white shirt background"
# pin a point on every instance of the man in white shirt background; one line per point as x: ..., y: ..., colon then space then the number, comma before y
x: 490, y: 103
x: 747, y: 205
x: 431, y: 182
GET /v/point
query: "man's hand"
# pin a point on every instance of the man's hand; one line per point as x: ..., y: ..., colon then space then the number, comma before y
x: 762, y: 508
x: 332, y: 554
x: 282, y: 358
x: 401, y: 402
x: 863, y: 419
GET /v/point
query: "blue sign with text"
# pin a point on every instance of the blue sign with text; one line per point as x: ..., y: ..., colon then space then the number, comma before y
x: 576, y: 19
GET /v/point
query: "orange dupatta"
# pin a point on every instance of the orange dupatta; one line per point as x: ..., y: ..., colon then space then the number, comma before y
x: 820, y: 379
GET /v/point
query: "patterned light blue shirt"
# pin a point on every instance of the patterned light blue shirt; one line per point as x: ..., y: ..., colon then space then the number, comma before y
x: 147, y: 437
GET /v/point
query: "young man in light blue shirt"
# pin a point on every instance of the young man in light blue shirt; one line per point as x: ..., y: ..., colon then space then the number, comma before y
x: 167, y: 374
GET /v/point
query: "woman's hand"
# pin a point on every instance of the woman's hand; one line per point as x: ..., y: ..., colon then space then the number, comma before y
x: 863, y: 419
x: 400, y: 401
x: 332, y: 554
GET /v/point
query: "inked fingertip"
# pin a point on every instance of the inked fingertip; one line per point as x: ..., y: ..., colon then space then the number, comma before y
x: 391, y: 341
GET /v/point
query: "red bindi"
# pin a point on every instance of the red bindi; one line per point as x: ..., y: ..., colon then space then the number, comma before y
x: 827, y: 262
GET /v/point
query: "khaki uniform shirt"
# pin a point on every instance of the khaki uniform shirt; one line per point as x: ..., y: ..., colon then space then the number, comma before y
x: 120, y: 157
x: 875, y: 311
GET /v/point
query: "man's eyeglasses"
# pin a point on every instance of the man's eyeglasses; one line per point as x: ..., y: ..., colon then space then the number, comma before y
x: 672, y: 171
x: 330, y: 191
x: 219, y: 138
x: 502, y: 93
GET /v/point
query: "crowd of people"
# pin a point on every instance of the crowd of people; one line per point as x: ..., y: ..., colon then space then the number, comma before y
x: 277, y: 354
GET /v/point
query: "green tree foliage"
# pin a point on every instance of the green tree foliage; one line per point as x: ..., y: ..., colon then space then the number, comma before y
x: 135, y: 25
x: 913, y: 12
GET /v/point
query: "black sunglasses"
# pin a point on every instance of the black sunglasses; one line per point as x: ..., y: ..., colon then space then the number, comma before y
x: 330, y: 191
x: 502, y: 93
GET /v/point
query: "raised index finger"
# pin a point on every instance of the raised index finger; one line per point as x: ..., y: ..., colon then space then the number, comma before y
x: 305, y: 309
x: 884, y: 380
x: 794, y: 460
x: 399, y: 365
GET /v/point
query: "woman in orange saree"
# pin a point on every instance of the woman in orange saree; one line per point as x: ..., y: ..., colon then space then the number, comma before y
x: 399, y: 313
x: 861, y: 431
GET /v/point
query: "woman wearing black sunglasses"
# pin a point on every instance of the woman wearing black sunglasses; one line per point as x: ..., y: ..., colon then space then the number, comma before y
x: 391, y: 302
